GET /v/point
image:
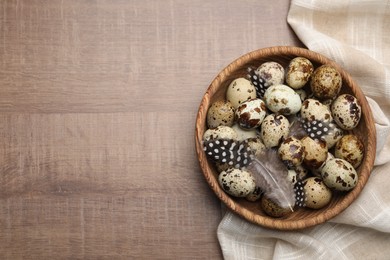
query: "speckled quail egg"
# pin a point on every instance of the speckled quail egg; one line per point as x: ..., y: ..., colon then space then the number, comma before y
x: 255, y: 194
x: 346, y: 111
x: 302, y: 171
x: 256, y: 146
x: 220, y: 113
x: 243, y: 134
x: 220, y: 132
x: 351, y: 149
x: 325, y: 82
x: 298, y: 72
x: 292, y: 176
x: 274, y: 129
x: 272, y: 72
x: 317, y: 172
x: 315, y: 152
x: 272, y: 209
x: 339, y: 174
x: 317, y: 194
x: 238, y: 183
x: 282, y: 99
x: 291, y: 152
x: 250, y: 114
x: 314, y: 110
x: 239, y: 91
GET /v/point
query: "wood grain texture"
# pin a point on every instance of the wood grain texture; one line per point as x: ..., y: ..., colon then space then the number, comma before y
x: 98, y: 103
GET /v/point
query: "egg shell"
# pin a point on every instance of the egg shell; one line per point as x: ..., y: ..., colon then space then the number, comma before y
x: 272, y: 209
x: 220, y: 132
x: 292, y: 176
x: 346, y: 111
x: 272, y: 72
x: 299, y: 72
x: 339, y: 174
x: 282, y: 99
x: 312, y: 110
x: 256, y: 145
x: 251, y: 113
x: 236, y: 182
x: 243, y: 134
x: 274, y: 130
x: 317, y: 194
x: 291, y: 152
x: 220, y: 113
x: 255, y: 194
x: 301, y: 171
x: 316, y: 152
x: 239, y: 91
x: 351, y: 149
x: 325, y: 82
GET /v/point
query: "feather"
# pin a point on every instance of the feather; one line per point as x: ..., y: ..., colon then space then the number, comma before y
x: 300, y: 196
x: 233, y: 153
x: 271, y: 176
x: 260, y: 83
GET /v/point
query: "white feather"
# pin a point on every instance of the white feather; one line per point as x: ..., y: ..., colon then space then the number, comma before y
x: 271, y: 176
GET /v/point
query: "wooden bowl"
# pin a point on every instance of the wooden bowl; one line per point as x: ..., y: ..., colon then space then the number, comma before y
x: 252, y: 211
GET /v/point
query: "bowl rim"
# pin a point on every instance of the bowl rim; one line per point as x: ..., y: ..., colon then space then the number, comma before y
x: 265, y: 221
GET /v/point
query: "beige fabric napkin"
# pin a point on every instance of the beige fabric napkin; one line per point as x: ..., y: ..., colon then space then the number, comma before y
x: 356, y: 34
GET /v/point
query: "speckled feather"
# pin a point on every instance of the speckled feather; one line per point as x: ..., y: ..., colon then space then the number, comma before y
x: 257, y: 81
x: 234, y: 153
x: 317, y: 129
x: 300, y: 197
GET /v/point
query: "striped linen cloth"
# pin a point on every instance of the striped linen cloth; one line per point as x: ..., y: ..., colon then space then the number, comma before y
x: 355, y: 34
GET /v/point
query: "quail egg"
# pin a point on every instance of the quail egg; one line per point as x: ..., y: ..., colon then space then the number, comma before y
x: 317, y: 194
x: 301, y: 171
x: 346, y: 111
x: 314, y: 110
x: 250, y: 114
x: 243, y: 134
x: 291, y: 152
x: 299, y: 72
x: 274, y: 129
x: 272, y: 72
x: 220, y: 113
x: 339, y: 174
x: 238, y: 183
x: 315, y: 152
x: 239, y: 91
x: 282, y: 99
x: 255, y: 194
x: 326, y: 82
x: 351, y: 149
x: 292, y: 176
x: 272, y: 209
x: 220, y: 132
x: 256, y: 145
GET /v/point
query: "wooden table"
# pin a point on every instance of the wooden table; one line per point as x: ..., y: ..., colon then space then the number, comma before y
x: 98, y: 100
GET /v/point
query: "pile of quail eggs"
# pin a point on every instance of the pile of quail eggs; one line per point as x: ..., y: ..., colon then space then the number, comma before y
x: 263, y: 118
